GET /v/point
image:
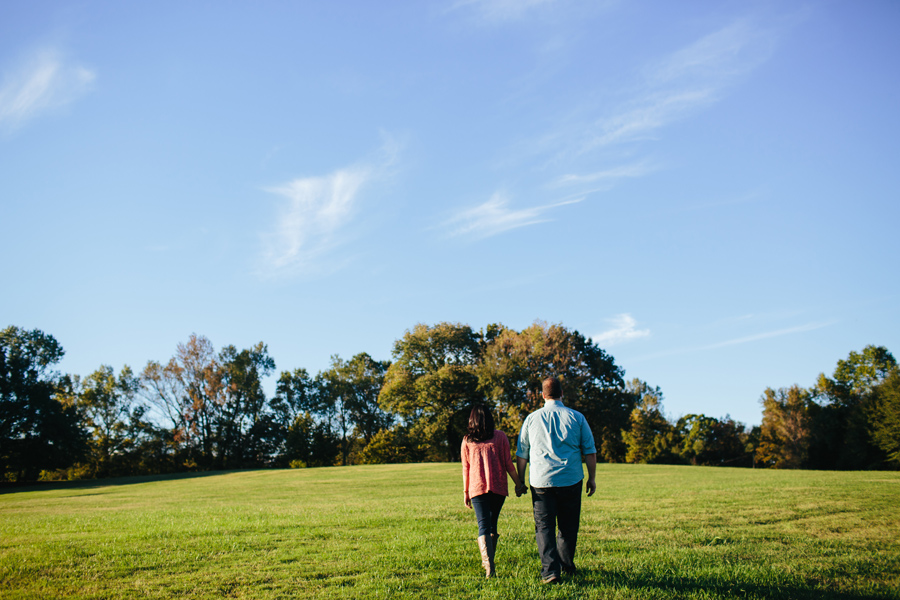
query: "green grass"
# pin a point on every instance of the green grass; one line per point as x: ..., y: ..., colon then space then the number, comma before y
x: 401, y: 531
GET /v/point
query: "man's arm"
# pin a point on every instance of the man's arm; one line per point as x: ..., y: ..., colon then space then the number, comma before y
x: 591, y: 461
x: 521, y: 463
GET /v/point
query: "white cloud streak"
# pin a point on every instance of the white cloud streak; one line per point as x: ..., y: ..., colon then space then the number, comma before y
x: 495, y: 216
x: 730, y: 51
x: 608, y: 175
x: 317, y: 213
x: 766, y: 335
x: 670, y: 89
x: 308, y: 226
x: 44, y: 82
x: 738, y: 341
x: 689, y: 79
x: 500, y: 10
x: 624, y: 330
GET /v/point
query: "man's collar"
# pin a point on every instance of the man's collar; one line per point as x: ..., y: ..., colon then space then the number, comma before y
x: 550, y: 402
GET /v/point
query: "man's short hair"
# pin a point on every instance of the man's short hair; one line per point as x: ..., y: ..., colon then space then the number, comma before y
x: 552, y: 388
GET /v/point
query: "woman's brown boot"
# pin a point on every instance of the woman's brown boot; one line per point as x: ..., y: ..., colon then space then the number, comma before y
x: 493, y: 553
x: 485, y: 545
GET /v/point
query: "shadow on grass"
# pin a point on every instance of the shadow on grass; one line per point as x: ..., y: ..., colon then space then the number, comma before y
x: 86, y: 484
x: 680, y: 586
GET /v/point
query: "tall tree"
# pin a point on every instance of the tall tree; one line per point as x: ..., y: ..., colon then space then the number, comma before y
x: 847, y: 412
x: 295, y: 394
x: 860, y: 373
x: 650, y: 437
x: 785, y: 433
x: 303, y: 420
x: 245, y: 425
x: 189, y: 391
x: 108, y: 404
x: 365, y: 378
x: 310, y: 443
x: 394, y: 445
x: 433, y: 381
x: 886, y: 422
x: 37, y: 431
x: 333, y: 392
x: 515, y: 364
x: 350, y: 390
x: 713, y: 442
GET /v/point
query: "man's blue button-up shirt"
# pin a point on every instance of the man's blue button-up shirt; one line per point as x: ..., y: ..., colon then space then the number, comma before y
x: 553, y: 439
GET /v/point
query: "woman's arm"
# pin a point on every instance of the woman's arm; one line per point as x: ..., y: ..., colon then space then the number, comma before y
x: 508, y: 463
x: 464, y: 459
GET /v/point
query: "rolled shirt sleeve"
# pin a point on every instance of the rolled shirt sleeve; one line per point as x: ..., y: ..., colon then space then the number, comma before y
x: 523, y: 446
x: 587, y: 438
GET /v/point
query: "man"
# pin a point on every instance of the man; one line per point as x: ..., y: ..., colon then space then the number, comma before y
x: 554, y: 439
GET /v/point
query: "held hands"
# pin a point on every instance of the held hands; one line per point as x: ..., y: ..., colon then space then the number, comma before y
x: 521, y: 489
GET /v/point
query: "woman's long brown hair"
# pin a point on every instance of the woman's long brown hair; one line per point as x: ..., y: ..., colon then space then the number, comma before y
x: 481, y: 424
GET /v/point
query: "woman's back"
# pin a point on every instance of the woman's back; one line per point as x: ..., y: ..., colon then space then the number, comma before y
x: 485, y: 464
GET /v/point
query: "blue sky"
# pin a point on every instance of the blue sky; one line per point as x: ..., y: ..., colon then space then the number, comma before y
x: 708, y: 190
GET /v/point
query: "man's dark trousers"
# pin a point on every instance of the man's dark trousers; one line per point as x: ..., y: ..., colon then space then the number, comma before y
x: 556, y: 506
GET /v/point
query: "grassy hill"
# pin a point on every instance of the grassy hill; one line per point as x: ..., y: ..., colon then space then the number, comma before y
x: 402, y: 531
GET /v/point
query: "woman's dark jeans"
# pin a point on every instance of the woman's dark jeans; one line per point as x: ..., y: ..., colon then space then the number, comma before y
x: 487, y: 511
x: 552, y: 506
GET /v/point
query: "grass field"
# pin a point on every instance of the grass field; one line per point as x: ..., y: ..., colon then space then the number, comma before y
x: 401, y: 531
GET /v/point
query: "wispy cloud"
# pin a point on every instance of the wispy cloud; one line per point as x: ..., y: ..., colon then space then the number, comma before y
x: 739, y: 341
x: 500, y: 10
x: 315, y: 211
x: 495, y: 216
x: 641, y: 123
x: 43, y: 82
x: 624, y: 329
x: 599, y: 146
x: 730, y: 51
x: 608, y: 175
x: 766, y: 335
x: 683, y: 82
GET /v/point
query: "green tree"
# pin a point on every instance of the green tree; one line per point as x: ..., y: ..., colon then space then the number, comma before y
x: 432, y: 383
x: 886, y: 424
x: 515, y: 364
x: 310, y: 443
x: 302, y: 422
x: 785, y: 432
x: 395, y: 445
x: 333, y: 391
x: 108, y: 404
x: 365, y: 378
x: 847, y: 412
x: 37, y: 431
x: 350, y: 391
x: 189, y: 391
x: 713, y: 442
x: 295, y: 394
x: 860, y: 373
x: 245, y: 425
x: 650, y: 437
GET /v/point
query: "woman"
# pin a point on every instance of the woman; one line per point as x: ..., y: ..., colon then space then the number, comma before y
x: 486, y: 460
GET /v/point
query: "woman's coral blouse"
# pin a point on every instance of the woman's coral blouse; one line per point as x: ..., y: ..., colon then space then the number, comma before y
x: 485, y: 465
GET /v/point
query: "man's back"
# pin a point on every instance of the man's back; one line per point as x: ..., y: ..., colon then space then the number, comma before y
x: 553, y: 439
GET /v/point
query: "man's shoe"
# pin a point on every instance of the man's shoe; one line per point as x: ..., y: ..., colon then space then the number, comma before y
x: 551, y: 579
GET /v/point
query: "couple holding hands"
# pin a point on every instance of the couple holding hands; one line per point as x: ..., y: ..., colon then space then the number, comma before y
x: 553, y: 440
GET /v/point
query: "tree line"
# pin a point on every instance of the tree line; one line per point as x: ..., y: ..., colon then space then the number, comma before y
x: 849, y: 421
x: 205, y: 409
